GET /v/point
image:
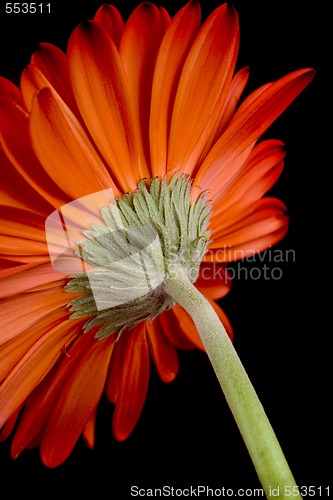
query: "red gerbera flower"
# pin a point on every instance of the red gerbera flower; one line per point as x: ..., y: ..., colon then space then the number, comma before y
x: 130, y: 108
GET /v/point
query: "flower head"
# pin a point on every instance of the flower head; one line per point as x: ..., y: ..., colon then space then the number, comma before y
x: 132, y: 150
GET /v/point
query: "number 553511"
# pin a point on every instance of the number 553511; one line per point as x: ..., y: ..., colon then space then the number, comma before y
x: 27, y: 8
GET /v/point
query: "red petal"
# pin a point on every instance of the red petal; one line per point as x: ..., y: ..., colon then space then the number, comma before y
x: 255, y: 177
x: 187, y: 326
x: 29, y: 278
x: 213, y: 280
x: 15, y: 140
x: 48, y: 68
x: 116, y: 368
x: 14, y: 349
x: 134, y: 383
x: 31, y: 369
x: 101, y: 91
x: 17, y: 192
x: 247, y: 127
x: 14, y: 222
x: 43, y: 399
x: 9, y: 426
x: 89, y: 430
x: 8, y: 268
x: 173, y: 330
x: 138, y: 49
x: 78, y: 399
x: 227, y: 112
x: 223, y: 317
x: 28, y: 309
x: 59, y: 141
x: 174, y: 49
x: 203, y: 88
x: 180, y: 329
x: 250, y: 232
x: 163, y: 353
x: 8, y: 89
x: 110, y: 19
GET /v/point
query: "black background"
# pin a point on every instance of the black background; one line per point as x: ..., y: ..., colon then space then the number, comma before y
x: 186, y: 434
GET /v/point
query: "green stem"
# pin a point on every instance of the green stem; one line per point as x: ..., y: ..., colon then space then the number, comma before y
x: 259, y: 437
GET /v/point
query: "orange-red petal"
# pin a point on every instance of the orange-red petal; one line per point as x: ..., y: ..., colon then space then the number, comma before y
x: 133, y: 385
x: 213, y: 280
x: 203, y: 88
x: 110, y: 19
x: 15, y: 140
x: 42, y: 401
x: 247, y: 127
x: 138, y: 50
x: 172, y: 54
x: 10, y: 90
x: 17, y: 192
x: 180, y: 329
x: 101, y: 91
x: 30, y: 277
x: 255, y: 177
x: 164, y: 354
x: 227, y: 112
x: 250, y: 232
x: 89, y: 429
x: 59, y: 140
x: 33, y: 366
x: 76, y: 402
x: 223, y: 317
x: 9, y: 426
x: 28, y: 309
x: 116, y: 368
x: 22, y: 224
x: 13, y: 350
x: 48, y: 68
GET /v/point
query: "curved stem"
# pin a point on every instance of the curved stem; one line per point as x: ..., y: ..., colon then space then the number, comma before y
x: 259, y: 437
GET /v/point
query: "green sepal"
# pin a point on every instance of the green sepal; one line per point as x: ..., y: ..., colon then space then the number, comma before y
x: 140, y: 236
